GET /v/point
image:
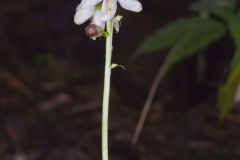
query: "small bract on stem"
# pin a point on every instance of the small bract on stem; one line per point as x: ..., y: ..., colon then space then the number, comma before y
x: 103, y: 13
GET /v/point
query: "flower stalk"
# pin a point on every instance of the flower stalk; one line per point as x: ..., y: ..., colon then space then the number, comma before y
x: 106, y: 89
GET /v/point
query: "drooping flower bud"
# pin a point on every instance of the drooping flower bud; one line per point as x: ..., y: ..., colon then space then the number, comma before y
x: 93, y: 31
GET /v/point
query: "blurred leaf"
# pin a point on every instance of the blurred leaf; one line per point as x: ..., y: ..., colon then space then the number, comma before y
x: 228, y: 92
x: 194, y: 39
x: 231, y: 4
x: 236, y: 58
x: 235, y: 29
x: 220, y: 11
x: 223, y: 12
x: 167, y: 36
x: 234, y: 26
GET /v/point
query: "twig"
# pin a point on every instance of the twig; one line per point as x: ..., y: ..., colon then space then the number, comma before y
x: 14, y: 82
x: 84, y: 107
x: 153, y: 90
x: 146, y: 107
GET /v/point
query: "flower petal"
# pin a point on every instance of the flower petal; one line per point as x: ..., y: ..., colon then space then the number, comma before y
x: 83, y: 14
x: 117, y: 26
x: 131, y: 5
x: 109, y: 8
x: 117, y: 23
x: 97, y: 20
x: 89, y: 3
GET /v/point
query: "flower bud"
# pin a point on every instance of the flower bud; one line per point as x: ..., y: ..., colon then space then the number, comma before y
x: 93, y: 31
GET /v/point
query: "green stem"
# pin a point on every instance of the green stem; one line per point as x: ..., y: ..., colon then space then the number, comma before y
x: 106, y: 91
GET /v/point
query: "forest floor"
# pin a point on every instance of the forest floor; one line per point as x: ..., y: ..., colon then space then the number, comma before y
x: 52, y: 112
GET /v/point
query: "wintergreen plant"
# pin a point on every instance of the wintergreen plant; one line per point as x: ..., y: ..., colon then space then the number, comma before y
x: 186, y: 37
x: 103, y: 15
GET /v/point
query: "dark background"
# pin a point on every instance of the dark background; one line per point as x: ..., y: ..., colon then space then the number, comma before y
x: 51, y: 78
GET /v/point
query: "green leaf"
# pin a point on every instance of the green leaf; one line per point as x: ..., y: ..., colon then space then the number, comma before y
x: 220, y: 11
x: 193, y: 40
x: 228, y: 92
x: 234, y: 26
x: 236, y: 58
x: 227, y: 14
x: 168, y: 35
x: 231, y: 4
x: 224, y: 10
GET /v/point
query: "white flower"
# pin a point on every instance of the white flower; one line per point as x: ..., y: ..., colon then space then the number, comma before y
x: 109, y: 7
x: 88, y: 9
x: 100, y: 11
